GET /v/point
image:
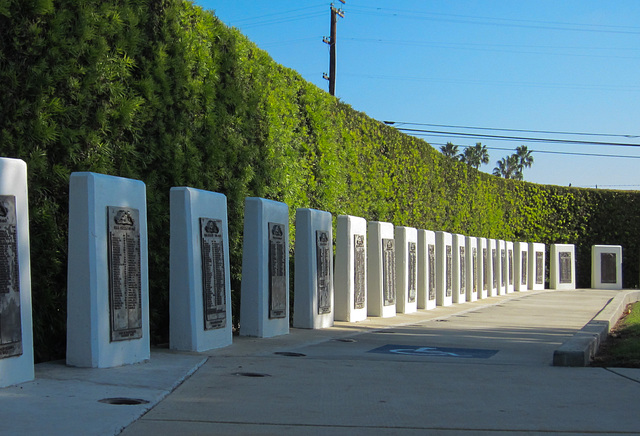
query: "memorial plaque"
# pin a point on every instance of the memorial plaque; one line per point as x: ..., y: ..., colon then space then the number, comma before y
x: 463, y: 272
x: 359, y: 279
x: 412, y: 287
x: 474, y: 271
x: 539, y: 267
x: 503, y: 258
x: 389, y: 272
x: 564, y: 263
x: 432, y: 272
x: 277, y: 271
x: 213, y: 276
x: 608, y: 268
x: 510, y: 260
x: 125, y: 277
x: 523, y: 268
x: 496, y: 271
x: 448, y: 272
x: 485, y: 272
x: 323, y: 271
x: 10, y: 321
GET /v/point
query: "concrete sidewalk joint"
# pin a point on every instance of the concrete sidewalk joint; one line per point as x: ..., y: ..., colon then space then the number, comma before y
x: 583, y: 346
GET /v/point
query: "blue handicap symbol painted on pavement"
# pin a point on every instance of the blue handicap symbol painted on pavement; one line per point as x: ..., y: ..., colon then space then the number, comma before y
x: 413, y: 350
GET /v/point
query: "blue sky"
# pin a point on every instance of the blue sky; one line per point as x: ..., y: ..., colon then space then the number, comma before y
x: 566, y: 66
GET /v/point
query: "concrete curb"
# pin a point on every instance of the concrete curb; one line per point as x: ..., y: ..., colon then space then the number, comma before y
x: 582, y: 347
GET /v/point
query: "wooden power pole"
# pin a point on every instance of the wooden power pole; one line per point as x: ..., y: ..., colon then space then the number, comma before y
x: 335, y: 13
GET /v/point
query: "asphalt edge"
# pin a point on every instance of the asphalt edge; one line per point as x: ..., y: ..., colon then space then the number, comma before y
x: 583, y: 346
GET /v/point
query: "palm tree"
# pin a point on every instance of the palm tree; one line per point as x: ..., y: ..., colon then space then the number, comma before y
x: 508, y: 168
x: 449, y: 150
x: 475, y: 156
x: 525, y: 159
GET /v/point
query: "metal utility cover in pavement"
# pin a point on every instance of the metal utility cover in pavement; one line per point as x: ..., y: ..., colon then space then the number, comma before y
x: 415, y: 350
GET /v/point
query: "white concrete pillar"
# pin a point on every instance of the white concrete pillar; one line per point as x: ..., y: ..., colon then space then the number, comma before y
x: 16, y: 339
x: 313, y: 292
x: 606, y: 267
x: 484, y: 274
x: 509, y: 271
x: 381, y: 270
x: 537, y: 260
x: 459, y: 275
x: 264, y: 300
x: 444, y: 269
x: 108, y: 278
x: 521, y: 266
x: 473, y: 264
x: 350, y: 282
x: 562, y: 268
x: 199, y: 284
x: 406, y: 269
x: 426, y: 269
x: 493, y: 269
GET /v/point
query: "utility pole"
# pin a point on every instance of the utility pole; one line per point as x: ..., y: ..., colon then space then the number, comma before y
x: 335, y: 13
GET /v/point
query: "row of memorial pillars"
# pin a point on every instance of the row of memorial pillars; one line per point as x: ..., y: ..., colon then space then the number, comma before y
x: 380, y: 270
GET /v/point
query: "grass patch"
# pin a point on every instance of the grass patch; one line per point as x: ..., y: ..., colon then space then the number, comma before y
x: 622, y: 348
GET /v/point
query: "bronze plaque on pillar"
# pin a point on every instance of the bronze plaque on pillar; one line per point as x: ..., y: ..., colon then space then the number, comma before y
x: 485, y: 270
x: 432, y: 272
x: 463, y: 272
x: 608, y: 268
x: 125, y: 277
x: 565, y: 264
x: 323, y: 271
x: 388, y: 272
x: 10, y: 321
x: 539, y: 267
x: 277, y: 271
x: 359, y: 277
x: 213, y: 275
x: 449, y: 270
x: 523, y: 268
x: 412, y: 287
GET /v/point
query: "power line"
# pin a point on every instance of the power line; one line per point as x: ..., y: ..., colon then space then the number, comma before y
x: 553, y: 132
x: 517, y: 138
x: 556, y: 152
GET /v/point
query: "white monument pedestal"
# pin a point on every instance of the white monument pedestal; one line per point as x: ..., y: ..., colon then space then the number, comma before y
x: 108, y: 278
x: 493, y: 269
x: 264, y: 299
x: 484, y: 273
x: 509, y: 280
x: 199, y: 286
x: 562, y: 268
x: 536, y: 266
x: 502, y: 267
x: 472, y: 268
x: 406, y: 269
x: 16, y: 341
x: 426, y: 269
x: 521, y: 266
x: 606, y: 267
x: 313, y: 291
x: 459, y: 276
x: 350, y: 282
x: 381, y: 270
x: 444, y: 269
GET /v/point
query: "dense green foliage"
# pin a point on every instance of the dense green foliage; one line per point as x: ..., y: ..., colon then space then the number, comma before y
x: 163, y: 92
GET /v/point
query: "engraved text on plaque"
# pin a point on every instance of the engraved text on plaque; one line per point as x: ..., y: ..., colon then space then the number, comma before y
x: 474, y: 271
x: 448, y: 272
x: 10, y: 323
x: 125, y: 284
x: 523, y: 269
x: 485, y: 268
x: 539, y: 267
x: 503, y: 258
x: 463, y: 272
x: 358, y: 272
x: 388, y: 272
x: 213, y: 277
x: 496, y: 271
x: 323, y: 270
x: 608, y: 266
x: 277, y: 271
x: 412, y: 287
x: 432, y: 272
x: 510, y: 260
x: 564, y: 263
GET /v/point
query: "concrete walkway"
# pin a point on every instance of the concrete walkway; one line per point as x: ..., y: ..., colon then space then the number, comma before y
x: 476, y: 368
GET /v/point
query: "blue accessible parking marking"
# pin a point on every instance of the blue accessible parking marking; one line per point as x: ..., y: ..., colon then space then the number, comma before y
x: 413, y: 350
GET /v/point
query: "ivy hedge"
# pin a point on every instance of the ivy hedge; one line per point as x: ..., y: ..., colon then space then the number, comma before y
x: 164, y: 92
